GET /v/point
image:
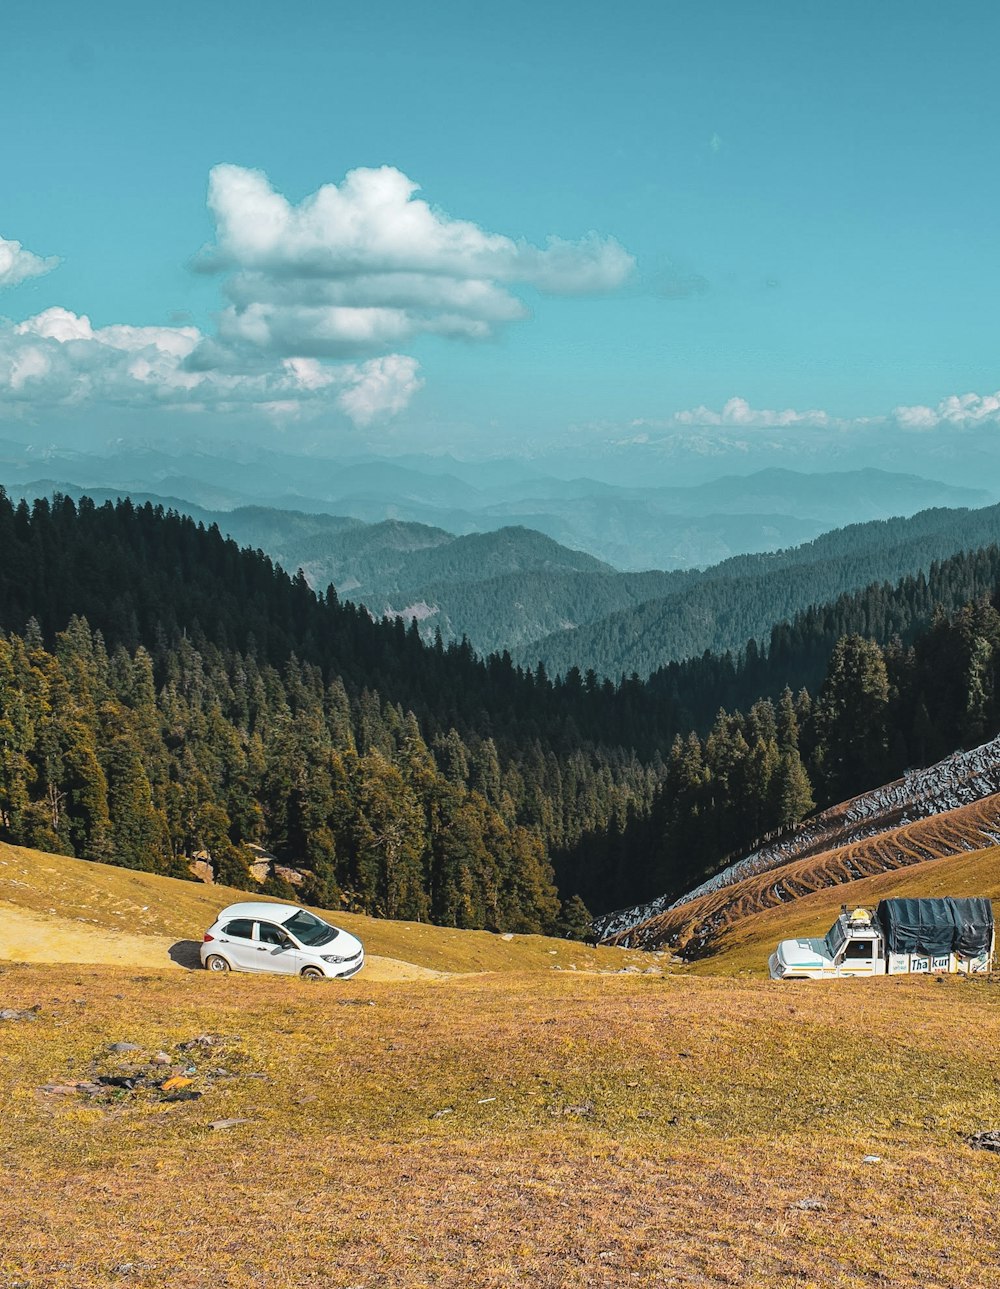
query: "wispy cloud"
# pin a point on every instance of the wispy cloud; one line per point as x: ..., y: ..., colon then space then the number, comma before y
x: 18, y: 264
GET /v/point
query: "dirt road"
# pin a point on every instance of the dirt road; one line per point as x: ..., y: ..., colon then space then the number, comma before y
x: 40, y: 937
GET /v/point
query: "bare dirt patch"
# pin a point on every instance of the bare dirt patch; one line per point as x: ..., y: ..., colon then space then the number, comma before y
x: 28, y: 937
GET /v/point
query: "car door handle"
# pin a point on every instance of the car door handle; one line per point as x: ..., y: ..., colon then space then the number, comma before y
x: 262, y: 948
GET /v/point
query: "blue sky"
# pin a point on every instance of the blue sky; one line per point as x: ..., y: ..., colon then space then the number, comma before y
x: 790, y: 205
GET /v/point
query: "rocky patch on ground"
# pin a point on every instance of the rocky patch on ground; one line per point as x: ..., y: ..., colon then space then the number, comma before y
x: 127, y: 1073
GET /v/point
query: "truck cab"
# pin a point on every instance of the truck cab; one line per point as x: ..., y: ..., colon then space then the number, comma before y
x: 853, y: 946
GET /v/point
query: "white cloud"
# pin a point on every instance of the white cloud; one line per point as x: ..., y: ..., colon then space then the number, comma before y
x: 738, y: 412
x: 58, y: 358
x: 963, y: 411
x: 380, y: 387
x: 320, y: 297
x: 18, y: 264
x: 366, y: 265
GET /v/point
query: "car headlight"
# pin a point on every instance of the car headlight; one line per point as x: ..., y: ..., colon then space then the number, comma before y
x: 334, y: 957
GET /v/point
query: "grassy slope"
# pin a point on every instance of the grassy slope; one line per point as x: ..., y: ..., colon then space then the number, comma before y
x: 599, y: 1130
x: 121, y: 900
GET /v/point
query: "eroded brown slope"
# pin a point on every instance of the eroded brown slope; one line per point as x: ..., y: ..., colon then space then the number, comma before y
x: 692, y: 928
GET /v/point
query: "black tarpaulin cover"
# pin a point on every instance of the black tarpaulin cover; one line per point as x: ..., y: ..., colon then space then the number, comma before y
x: 937, y: 926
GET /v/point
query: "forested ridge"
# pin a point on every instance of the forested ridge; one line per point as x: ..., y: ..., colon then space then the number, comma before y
x: 683, y: 614
x: 164, y: 693
x: 513, y: 588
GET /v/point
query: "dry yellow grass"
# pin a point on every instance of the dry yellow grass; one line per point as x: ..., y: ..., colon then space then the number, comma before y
x: 521, y: 1126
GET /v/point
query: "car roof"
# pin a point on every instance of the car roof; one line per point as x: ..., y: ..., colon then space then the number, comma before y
x: 259, y: 909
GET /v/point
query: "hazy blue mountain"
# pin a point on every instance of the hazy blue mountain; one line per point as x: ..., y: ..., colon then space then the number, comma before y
x: 646, y: 522
x: 636, y: 534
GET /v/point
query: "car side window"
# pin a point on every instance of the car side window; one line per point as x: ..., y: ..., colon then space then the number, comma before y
x: 268, y: 933
x: 859, y: 949
x: 240, y: 927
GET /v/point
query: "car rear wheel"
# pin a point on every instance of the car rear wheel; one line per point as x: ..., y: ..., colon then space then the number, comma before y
x: 215, y: 962
x: 312, y: 973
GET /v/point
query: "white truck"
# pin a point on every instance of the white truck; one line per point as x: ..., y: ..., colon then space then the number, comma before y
x: 901, y: 937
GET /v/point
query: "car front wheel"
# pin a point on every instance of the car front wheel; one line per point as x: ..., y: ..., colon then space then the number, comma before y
x: 214, y: 962
x: 312, y: 973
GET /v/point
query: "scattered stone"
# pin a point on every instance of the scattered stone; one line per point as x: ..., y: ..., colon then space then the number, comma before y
x: 124, y: 1047
x: 440, y: 1114
x: 203, y: 1040
x: 161, y: 1058
x: 220, y: 1124
x: 988, y: 1140
x: 872, y: 1159
x: 122, y: 1269
x: 185, y: 1094
x: 507, y: 936
x: 29, y: 1013
x: 355, y: 1002
x: 645, y: 1114
x: 810, y: 1205
x: 68, y: 1089
x: 201, y: 869
x: 582, y: 1111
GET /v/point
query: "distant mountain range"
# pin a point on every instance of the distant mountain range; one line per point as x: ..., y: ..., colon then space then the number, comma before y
x: 629, y: 526
x: 519, y: 590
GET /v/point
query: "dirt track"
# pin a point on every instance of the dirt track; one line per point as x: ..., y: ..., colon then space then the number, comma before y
x: 39, y: 937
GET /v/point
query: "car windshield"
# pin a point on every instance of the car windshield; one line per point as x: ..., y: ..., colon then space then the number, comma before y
x: 309, y: 929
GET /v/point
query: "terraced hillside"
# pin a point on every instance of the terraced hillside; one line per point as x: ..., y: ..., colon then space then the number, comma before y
x: 697, y: 927
x: 742, y: 946
x: 947, y: 809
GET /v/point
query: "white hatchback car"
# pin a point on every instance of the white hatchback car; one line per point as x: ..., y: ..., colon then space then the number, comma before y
x: 281, y: 938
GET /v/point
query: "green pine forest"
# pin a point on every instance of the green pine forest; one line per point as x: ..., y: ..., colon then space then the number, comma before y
x: 164, y: 693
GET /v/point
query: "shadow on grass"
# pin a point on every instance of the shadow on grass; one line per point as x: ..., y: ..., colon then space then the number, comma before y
x: 186, y: 954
